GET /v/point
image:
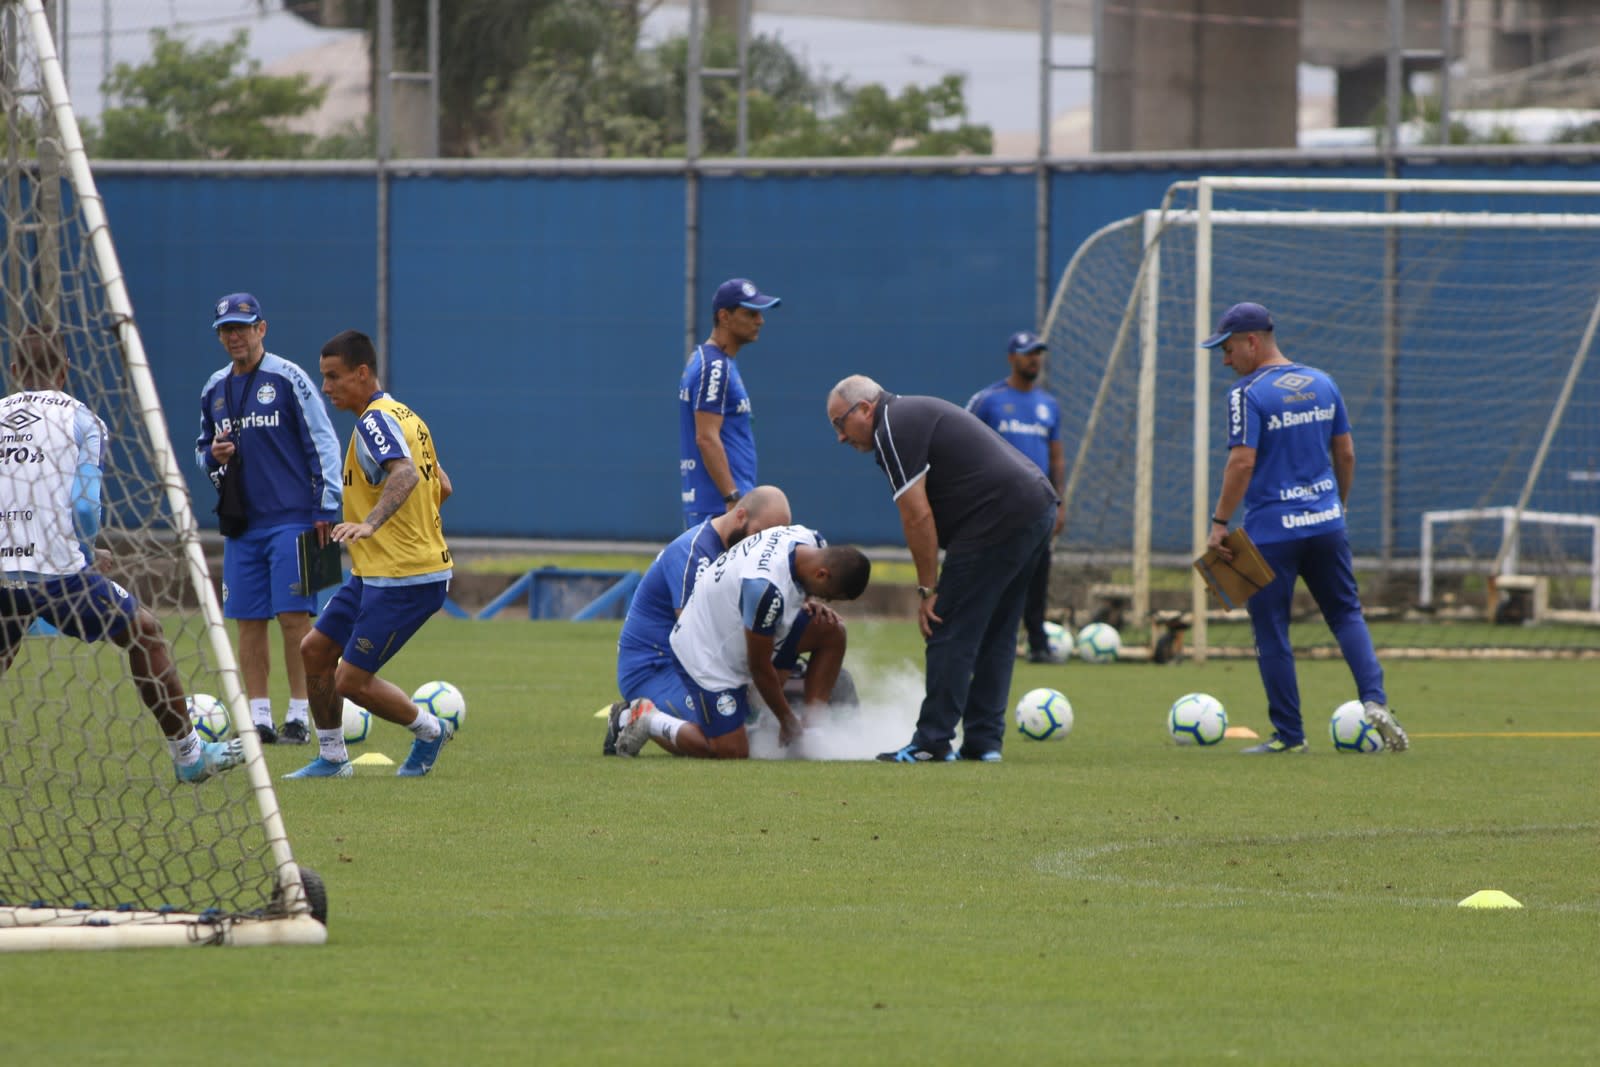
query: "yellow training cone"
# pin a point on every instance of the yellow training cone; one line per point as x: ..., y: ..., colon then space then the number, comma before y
x: 1490, y: 898
x: 378, y: 759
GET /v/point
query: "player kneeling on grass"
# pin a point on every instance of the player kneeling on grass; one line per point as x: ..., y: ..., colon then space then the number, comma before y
x: 646, y: 667
x: 393, y: 486
x: 50, y: 500
x: 749, y: 618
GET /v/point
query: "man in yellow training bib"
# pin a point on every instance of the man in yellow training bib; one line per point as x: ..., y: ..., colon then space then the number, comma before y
x: 393, y: 486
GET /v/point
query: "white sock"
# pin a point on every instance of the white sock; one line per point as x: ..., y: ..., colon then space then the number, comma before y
x: 330, y: 745
x: 425, y: 726
x: 186, y: 749
x: 299, y: 710
x: 664, y: 727
x: 261, y: 712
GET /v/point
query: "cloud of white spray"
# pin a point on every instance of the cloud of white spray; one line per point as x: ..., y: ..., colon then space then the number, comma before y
x: 884, y: 721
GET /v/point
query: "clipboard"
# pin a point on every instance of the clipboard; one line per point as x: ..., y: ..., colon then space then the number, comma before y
x: 1237, y: 581
x: 320, y: 565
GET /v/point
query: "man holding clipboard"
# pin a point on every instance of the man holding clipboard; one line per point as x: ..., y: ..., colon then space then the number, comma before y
x: 1291, y: 461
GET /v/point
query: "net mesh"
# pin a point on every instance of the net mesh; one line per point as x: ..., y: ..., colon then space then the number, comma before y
x: 1452, y: 331
x: 91, y: 813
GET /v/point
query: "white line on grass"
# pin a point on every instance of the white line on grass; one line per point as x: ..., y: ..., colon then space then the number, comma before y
x: 1081, y: 864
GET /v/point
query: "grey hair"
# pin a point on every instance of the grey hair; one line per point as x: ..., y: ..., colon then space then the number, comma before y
x: 857, y: 389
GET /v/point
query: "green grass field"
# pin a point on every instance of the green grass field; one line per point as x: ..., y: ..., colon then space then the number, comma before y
x: 1109, y: 899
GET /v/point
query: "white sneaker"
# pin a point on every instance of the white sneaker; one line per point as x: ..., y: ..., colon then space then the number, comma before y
x: 1388, y: 727
x: 635, y: 727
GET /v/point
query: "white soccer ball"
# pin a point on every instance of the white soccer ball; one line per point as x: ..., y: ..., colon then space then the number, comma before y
x: 1197, y: 719
x: 1059, y: 640
x: 357, y: 723
x: 1044, y: 715
x: 210, y: 717
x: 1099, y: 642
x: 1352, y: 731
x: 444, y: 700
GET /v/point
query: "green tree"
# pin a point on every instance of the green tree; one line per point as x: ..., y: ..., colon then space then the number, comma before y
x: 603, y: 96
x: 204, y: 102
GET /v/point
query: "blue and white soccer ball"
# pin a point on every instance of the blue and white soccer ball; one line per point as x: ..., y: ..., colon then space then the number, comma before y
x: 444, y: 700
x: 1044, y: 715
x: 1352, y: 731
x: 1099, y: 642
x: 357, y: 723
x: 1059, y: 640
x: 210, y: 717
x: 1197, y: 719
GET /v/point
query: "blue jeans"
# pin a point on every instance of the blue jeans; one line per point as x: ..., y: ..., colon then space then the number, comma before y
x: 1323, y: 560
x: 972, y: 652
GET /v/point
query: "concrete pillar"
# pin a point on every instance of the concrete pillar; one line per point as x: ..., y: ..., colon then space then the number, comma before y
x: 1196, y: 74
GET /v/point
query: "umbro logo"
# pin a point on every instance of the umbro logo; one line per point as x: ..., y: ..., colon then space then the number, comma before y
x: 1294, y: 382
x: 19, y: 419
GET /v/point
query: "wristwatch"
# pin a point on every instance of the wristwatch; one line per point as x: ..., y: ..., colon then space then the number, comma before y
x: 926, y: 591
x: 731, y: 497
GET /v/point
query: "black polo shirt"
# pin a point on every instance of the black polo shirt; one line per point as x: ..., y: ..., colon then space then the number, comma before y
x: 979, y: 486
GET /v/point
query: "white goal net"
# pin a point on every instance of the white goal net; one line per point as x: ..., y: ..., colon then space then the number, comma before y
x: 1458, y: 319
x: 100, y: 844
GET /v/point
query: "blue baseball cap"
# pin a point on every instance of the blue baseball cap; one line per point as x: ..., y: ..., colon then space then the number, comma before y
x: 742, y: 292
x: 1241, y: 318
x: 1024, y: 342
x: 237, y: 307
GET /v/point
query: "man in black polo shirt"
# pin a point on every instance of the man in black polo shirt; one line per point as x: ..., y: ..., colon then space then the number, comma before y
x: 960, y: 487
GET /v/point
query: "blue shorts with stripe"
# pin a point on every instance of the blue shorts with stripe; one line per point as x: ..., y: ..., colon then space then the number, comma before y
x: 261, y: 574
x: 373, y: 622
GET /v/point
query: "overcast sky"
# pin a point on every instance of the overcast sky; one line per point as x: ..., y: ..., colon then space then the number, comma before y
x: 1001, y: 65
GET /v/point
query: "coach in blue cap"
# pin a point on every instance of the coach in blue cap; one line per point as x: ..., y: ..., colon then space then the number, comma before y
x: 267, y: 443
x: 1291, y: 461
x: 1030, y: 419
x: 716, y: 446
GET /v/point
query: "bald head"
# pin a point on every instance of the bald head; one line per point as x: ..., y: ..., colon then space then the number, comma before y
x: 765, y: 506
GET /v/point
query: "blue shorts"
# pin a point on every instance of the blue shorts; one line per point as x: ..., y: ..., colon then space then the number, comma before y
x: 86, y: 605
x: 373, y: 622
x: 261, y: 574
x: 657, y: 679
x: 716, y: 712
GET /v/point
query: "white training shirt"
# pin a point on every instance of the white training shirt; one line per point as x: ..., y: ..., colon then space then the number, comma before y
x: 751, y: 586
x: 45, y: 436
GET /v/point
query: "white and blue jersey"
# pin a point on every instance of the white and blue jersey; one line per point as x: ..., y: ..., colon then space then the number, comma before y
x: 289, y: 455
x: 753, y: 587
x: 711, y: 383
x: 1029, y: 420
x: 1289, y: 413
x: 646, y: 640
x: 50, y: 453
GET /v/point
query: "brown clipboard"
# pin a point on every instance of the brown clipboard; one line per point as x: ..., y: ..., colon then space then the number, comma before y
x: 1238, y: 580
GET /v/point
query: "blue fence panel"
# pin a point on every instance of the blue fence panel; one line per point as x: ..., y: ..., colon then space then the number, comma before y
x: 305, y: 245
x: 914, y: 279
x: 536, y: 323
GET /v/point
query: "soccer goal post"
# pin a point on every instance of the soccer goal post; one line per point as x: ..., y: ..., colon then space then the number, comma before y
x: 101, y: 846
x: 1457, y: 318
